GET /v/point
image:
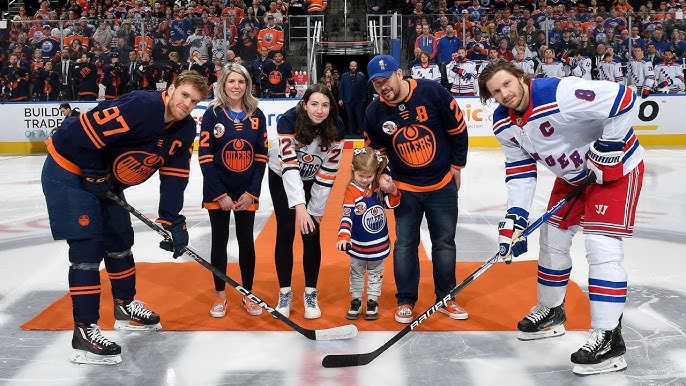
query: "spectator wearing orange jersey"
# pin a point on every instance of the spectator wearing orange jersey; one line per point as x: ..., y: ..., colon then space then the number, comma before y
x: 271, y: 36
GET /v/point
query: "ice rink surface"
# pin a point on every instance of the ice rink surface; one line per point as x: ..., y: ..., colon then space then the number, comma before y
x: 33, y: 274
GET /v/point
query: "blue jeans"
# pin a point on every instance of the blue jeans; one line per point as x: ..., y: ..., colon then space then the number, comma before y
x: 440, y: 209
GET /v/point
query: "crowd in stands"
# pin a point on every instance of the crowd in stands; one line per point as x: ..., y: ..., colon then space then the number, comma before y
x: 69, y: 50
x: 638, y: 42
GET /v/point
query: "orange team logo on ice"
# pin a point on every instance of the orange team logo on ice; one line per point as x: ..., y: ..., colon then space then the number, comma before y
x: 84, y: 220
x: 415, y: 145
x: 134, y: 167
x: 275, y: 77
x: 237, y: 155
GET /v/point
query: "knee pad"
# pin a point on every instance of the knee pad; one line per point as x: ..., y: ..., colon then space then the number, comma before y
x: 603, y: 249
x: 86, y: 251
x: 554, y: 247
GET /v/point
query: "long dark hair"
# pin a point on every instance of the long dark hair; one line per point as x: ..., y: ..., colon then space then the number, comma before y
x: 305, y: 130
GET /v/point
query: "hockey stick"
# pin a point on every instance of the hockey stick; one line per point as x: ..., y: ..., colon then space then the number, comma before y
x: 341, y: 332
x: 347, y: 360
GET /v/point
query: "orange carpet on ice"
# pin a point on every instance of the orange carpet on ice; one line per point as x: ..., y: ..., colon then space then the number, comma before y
x: 182, y: 293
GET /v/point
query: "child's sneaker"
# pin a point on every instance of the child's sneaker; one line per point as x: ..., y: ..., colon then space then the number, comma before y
x: 355, y: 309
x: 372, y: 312
x: 404, y: 314
x: 312, y: 310
x: 285, y: 301
x: 218, y: 310
x: 251, y: 307
x: 454, y: 311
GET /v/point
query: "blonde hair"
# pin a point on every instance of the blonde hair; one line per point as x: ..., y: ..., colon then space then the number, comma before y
x: 367, y: 159
x: 221, y: 99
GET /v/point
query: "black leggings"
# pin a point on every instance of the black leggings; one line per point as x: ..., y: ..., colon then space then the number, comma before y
x: 245, y: 222
x: 285, y: 235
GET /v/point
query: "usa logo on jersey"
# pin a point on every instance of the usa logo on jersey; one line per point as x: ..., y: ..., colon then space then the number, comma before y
x: 374, y: 219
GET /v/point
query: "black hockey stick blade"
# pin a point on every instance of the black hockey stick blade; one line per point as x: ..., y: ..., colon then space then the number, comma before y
x: 349, y: 360
x: 335, y: 333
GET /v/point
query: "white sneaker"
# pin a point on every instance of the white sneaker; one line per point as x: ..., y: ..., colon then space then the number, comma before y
x: 312, y: 310
x: 285, y: 301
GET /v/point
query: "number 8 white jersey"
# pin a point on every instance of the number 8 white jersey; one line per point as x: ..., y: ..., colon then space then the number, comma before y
x: 564, y: 117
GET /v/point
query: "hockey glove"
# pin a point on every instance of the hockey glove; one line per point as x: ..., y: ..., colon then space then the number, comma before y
x: 179, y: 235
x: 605, y: 160
x: 509, y: 231
x: 645, y: 92
x: 97, y: 181
x: 293, y: 92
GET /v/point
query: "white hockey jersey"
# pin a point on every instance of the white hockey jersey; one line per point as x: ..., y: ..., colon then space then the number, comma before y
x: 640, y: 73
x: 461, y: 77
x: 610, y: 71
x: 297, y: 162
x: 582, y: 68
x: 550, y: 70
x: 430, y: 72
x: 669, y: 78
x: 526, y: 65
x: 563, y: 118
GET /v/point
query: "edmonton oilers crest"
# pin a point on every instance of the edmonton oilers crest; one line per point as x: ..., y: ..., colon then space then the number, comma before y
x: 309, y: 165
x: 415, y: 145
x: 374, y: 219
x: 237, y: 155
x: 134, y: 167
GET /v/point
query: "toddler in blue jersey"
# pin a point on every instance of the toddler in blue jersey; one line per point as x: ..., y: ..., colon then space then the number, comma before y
x: 363, y: 232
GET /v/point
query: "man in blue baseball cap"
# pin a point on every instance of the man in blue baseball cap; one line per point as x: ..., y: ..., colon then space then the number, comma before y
x: 420, y: 127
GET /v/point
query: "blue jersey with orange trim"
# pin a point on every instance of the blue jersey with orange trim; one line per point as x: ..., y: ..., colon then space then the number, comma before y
x: 128, y: 136
x: 296, y: 162
x: 563, y: 118
x: 364, y: 222
x: 232, y: 155
x: 421, y: 137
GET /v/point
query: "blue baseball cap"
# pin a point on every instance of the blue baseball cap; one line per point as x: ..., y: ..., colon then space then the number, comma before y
x: 382, y: 66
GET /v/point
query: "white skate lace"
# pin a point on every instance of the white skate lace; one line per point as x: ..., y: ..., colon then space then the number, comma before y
x: 136, y: 308
x: 95, y: 336
x: 593, y: 341
x: 284, y: 299
x: 311, y: 300
x: 538, y: 313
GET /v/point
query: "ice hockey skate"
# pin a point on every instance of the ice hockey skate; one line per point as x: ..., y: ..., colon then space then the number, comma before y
x: 602, y: 353
x: 91, y: 347
x: 131, y: 315
x: 542, y: 323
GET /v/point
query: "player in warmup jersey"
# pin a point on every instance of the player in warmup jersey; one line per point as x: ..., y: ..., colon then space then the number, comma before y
x: 573, y: 127
x: 420, y: 127
x: 641, y: 74
x: 363, y: 232
x: 232, y: 155
x: 303, y: 163
x: 118, y: 144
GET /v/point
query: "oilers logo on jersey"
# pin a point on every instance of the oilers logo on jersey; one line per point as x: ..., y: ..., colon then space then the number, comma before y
x: 219, y: 130
x: 374, y: 219
x: 415, y: 145
x: 237, y: 155
x: 309, y: 165
x: 134, y: 167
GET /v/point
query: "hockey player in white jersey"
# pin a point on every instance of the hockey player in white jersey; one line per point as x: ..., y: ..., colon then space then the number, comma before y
x: 425, y: 69
x: 461, y: 74
x: 609, y: 69
x: 573, y: 127
x: 550, y: 68
x: 669, y: 75
x: 524, y: 63
x: 640, y: 73
x: 580, y: 66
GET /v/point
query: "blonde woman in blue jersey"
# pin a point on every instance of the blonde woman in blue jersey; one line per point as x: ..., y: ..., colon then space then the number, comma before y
x: 233, y: 157
x: 363, y: 232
